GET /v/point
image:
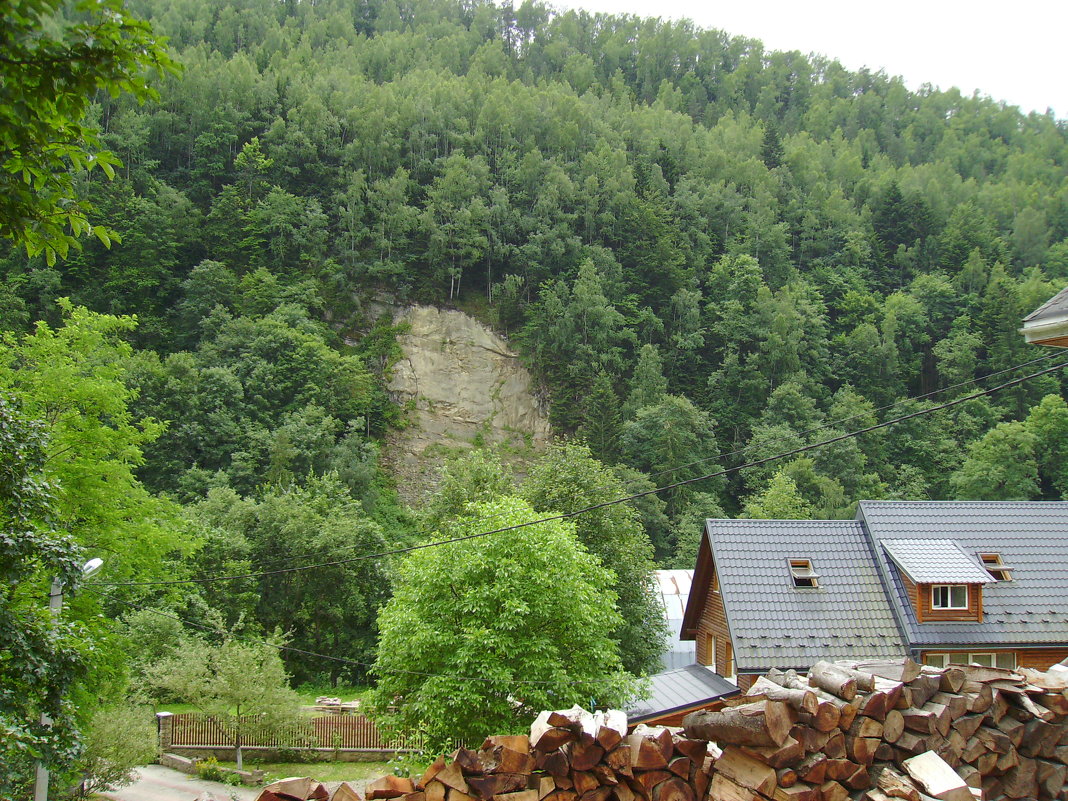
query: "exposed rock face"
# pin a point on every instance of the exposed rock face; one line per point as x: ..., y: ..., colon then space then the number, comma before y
x: 463, y: 386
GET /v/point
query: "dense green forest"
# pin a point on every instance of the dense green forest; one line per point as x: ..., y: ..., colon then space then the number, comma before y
x: 709, y: 253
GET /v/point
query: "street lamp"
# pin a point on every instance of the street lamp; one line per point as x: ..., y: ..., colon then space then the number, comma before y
x: 55, y: 604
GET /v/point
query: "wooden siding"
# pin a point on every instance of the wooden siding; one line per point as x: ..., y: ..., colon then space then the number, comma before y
x: 1033, y: 658
x: 920, y: 596
x: 713, y: 623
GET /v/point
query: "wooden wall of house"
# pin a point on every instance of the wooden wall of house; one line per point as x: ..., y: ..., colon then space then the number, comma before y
x: 920, y: 596
x: 713, y: 623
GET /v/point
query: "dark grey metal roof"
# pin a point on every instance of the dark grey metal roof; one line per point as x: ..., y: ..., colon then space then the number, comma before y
x: 775, y: 624
x: 682, y: 688
x: 1031, y: 536
x: 1057, y: 306
x: 931, y: 561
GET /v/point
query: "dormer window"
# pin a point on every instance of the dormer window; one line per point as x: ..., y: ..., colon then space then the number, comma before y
x: 949, y: 596
x: 803, y: 575
x: 996, y: 567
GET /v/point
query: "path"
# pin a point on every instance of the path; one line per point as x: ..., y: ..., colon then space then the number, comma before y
x: 163, y: 784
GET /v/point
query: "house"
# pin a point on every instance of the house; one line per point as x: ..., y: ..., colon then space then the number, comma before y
x: 675, y: 693
x: 942, y: 581
x: 1048, y: 324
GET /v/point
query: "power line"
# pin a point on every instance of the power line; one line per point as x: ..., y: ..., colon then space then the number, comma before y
x: 594, y: 507
x: 751, y: 446
x: 328, y: 657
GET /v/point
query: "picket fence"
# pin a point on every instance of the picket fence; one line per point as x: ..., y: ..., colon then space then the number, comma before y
x: 350, y: 732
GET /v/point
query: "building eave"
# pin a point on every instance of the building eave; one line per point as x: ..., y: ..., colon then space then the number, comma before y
x: 1052, y: 332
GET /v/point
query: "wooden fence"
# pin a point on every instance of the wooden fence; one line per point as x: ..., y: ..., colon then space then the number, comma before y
x: 351, y: 732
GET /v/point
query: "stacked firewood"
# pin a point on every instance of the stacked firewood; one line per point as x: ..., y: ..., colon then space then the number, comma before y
x: 870, y: 731
x: 891, y: 730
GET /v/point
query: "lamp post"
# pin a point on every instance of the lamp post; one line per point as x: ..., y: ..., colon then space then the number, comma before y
x: 55, y: 605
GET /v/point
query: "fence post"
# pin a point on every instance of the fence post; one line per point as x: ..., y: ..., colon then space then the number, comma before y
x: 165, y: 729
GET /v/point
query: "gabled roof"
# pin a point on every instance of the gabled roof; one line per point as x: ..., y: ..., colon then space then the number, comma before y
x: 1057, y: 306
x: 931, y: 561
x: 775, y: 624
x: 672, y: 691
x: 1031, y: 536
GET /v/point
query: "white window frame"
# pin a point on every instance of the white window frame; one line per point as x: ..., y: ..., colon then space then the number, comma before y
x: 936, y: 590
x: 939, y: 660
x: 942, y: 658
x: 803, y: 574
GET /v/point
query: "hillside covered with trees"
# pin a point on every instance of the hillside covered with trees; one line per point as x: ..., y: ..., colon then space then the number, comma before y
x: 709, y: 253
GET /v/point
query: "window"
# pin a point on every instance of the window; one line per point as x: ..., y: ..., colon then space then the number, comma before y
x: 949, y: 596
x: 999, y: 660
x: 802, y: 573
x: 936, y: 660
x: 710, y: 644
x: 996, y: 567
x: 728, y: 660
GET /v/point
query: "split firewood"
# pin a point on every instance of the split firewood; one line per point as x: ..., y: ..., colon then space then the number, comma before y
x: 885, y: 752
x: 619, y: 760
x: 674, y: 789
x: 924, y: 686
x: 984, y: 674
x: 833, y: 679
x: 1007, y: 761
x: 1021, y: 781
x: 862, y: 749
x: 622, y: 792
x: 452, y: 777
x: 754, y: 724
x: 801, y: 700
x: 1051, y: 778
x: 911, y: 742
x: 812, y: 769
x: 1057, y: 702
x: 802, y: 791
x: 681, y: 766
x: 583, y: 782
x: 956, y: 705
x: 435, y: 791
x: 835, y: 747
x: 725, y: 789
x: 515, y: 742
x: 750, y: 773
x: 893, y: 725
x: 968, y: 724
x: 649, y: 779
x: 647, y: 750
x: 993, y: 740
x: 1012, y: 728
x: 388, y: 786
x: 542, y: 785
x: 833, y: 791
x: 346, y: 792
x: 940, y: 716
x: 980, y: 700
x: 952, y: 678
x: 584, y: 754
x: 901, y: 670
x: 696, y: 750
x: 919, y: 720
x: 936, y: 778
x: 1039, y: 738
x: 786, y: 777
x: 556, y: 764
x: 894, y: 785
x: 777, y: 756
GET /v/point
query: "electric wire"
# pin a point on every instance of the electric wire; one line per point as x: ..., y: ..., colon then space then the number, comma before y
x: 746, y: 448
x: 339, y: 659
x: 604, y: 504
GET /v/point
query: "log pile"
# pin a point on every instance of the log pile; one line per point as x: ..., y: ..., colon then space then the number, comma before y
x: 868, y: 731
x: 882, y: 730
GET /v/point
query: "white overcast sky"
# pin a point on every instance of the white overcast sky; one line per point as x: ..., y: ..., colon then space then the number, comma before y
x: 1011, y: 50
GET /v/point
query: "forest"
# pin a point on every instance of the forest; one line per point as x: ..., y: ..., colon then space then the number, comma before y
x: 708, y: 253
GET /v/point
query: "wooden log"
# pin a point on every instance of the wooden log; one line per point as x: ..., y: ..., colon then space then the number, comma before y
x: 556, y: 765
x: 432, y: 771
x: 902, y: 670
x: 545, y: 736
x: 787, y: 777
x: 968, y: 724
x: 833, y: 679
x: 723, y: 788
x: 801, y: 700
x: 942, y: 719
x: 526, y: 795
x: 584, y: 782
x: 924, y: 686
x: 777, y: 756
x: 1051, y: 778
x: 983, y: 674
x: 973, y: 749
x: 931, y: 773
x: 611, y: 728
x: 1055, y: 701
x: 893, y: 725
x: 865, y: 727
x: 751, y: 724
x: 565, y: 795
x: 542, y: 785
x: 694, y: 749
x: 894, y: 785
x: 952, y: 679
x: 956, y: 705
x: 911, y: 742
x: 859, y: 779
x: 622, y: 792
x: 835, y: 747
x: 812, y: 741
x: 972, y: 777
x: 812, y: 769
x: 681, y: 766
x: 488, y: 786
x: 619, y: 759
x: 837, y: 769
x: 861, y: 749
x: 605, y: 775
x: 833, y: 791
x: 1021, y: 781
x: 674, y: 789
x: 1007, y: 761
x: 646, y: 753
x: 435, y: 791
x: 802, y: 791
x: 514, y: 742
x: 505, y: 760
x: 453, y: 778
x: 993, y: 740
x: 980, y: 700
x: 919, y: 720
x: 1039, y: 738
x: 746, y: 771
x: 987, y: 763
x: 999, y: 707
x: 585, y: 754
x: 1012, y: 728
x: 885, y: 752
x: 468, y: 760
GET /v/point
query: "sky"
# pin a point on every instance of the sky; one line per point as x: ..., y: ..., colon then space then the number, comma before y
x: 1010, y: 51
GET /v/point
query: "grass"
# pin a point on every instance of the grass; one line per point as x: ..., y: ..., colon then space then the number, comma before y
x: 320, y: 771
x: 309, y: 692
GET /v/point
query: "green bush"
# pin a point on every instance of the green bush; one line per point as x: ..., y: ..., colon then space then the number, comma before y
x: 209, y: 770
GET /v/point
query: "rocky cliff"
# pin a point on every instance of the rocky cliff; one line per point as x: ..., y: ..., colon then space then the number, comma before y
x: 462, y: 386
